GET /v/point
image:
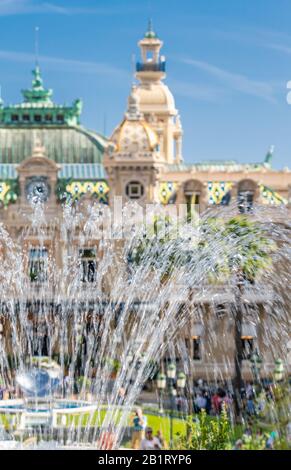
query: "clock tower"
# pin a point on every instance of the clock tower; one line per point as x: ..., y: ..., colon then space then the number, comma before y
x: 38, y: 177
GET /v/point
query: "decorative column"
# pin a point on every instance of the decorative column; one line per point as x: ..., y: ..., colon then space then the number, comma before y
x: 178, y: 149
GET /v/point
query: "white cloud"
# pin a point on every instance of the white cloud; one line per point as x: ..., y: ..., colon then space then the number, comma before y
x: 66, y: 64
x: 235, y: 81
x: 258, y: 37
x: 280, y: 47
x: 20, y: 7
x: 8, y: 7
x: 196, y: 91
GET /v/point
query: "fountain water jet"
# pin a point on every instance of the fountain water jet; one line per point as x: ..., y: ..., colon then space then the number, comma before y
x: 112, y: 318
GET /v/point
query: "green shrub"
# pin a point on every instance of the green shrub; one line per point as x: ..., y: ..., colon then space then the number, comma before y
x: 207, y: 434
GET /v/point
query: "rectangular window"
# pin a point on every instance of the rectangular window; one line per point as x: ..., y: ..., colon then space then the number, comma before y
x: 247, y: 347
x: 88, y: 264
x: 48, y: 117
x: 197, y: 349
x: 38, y: 265
x: 26, y: 117
x: 60, y: 118
x: 14, y: 117
x: 37, y: 118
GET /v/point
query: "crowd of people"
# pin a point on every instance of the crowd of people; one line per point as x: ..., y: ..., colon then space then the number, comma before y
x: 213, y: 399
x: 212, y: 402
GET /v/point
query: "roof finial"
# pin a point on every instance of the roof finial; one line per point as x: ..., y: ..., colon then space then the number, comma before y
x: 38, y: 148
x: 36, y: 46
x: 150, y: 25
x: 37, y: 93
x: 150, y: 34
x: 269, y: 156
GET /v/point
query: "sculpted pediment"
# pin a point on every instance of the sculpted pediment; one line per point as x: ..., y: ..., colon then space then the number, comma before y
x: 38, y: 162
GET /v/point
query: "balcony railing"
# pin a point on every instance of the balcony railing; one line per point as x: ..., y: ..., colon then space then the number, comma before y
x: 151, y: 67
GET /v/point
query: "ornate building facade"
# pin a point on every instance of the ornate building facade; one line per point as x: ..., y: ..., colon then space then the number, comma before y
x: 47, y: 153
x: 146, y: 163
x: 141, y: 161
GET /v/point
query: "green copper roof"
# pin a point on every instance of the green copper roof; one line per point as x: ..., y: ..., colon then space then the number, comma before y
x: 38, y: 108
x: 91, y: 171
x: 78, y: 171
x: 8, y: 171
x: 77, y: 149
x: 69, y: 144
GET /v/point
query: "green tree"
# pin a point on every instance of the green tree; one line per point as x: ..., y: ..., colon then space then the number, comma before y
x: 238, y: 247
x: 159, y: 247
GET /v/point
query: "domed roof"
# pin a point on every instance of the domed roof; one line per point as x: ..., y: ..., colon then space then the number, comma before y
x: 64, y: 144
x: 134, y: 134
x: 56, y: 127
x: 155, y: 94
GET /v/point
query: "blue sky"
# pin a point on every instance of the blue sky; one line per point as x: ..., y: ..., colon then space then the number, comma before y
x: 228, y: 64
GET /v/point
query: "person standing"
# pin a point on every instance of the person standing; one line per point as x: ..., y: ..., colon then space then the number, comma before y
x: 139, y: 424
x: 216, y: 403
x: 200, y: 402
x: 250, y: 406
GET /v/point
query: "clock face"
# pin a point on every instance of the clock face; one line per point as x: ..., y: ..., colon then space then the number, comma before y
x: 37, y: 189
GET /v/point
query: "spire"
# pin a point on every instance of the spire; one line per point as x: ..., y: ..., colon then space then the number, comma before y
x: 37, y: 93
x: 36, y: 45
x: 269, y: 155
x: 133, y: 113
x: 150, y: 34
